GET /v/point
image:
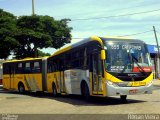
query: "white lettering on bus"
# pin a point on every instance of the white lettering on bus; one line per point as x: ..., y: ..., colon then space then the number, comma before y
x: 136, y: 47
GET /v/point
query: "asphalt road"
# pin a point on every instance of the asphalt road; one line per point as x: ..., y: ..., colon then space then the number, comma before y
x: 33, y: 103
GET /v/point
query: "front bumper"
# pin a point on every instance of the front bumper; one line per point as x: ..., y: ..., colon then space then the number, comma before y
x: 113, y: 90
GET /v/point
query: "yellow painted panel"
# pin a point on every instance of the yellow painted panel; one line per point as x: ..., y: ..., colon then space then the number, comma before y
x: 6, y: 81
x: 97, y: 92
x: 136, y: 83
x: 111, y: 77
x: 50, y: 80
x: 25, y: 59
x: 97, y: 39
x: 53, y: 77
x: 149, y: 78
x: 104, y: 86
x: 34, y: 81
x: 90, y: 74
x: 19, y: 78
x: 61, y: 51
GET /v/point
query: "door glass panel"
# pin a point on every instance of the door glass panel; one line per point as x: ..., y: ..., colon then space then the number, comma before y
x: 97, y: 73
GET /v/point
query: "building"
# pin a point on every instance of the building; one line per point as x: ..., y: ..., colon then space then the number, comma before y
x: 153, y: 50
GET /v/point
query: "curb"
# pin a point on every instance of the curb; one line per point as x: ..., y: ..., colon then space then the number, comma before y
x: 156, y: 82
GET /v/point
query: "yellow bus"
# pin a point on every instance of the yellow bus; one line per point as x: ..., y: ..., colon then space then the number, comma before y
x: 101, y: 67
x: 24, y: 75
x: 96, y: 66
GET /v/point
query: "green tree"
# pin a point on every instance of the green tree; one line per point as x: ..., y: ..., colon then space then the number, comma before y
x: 42, y: 54
x: 7, y: 32
x: 40, y: 32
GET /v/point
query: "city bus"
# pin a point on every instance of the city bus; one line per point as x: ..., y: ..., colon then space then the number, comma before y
x: 96, y: 66
x: 24, y: 75
x: 100, y: 66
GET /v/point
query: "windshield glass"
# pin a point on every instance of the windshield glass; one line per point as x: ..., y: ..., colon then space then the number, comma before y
x: 123, y: 57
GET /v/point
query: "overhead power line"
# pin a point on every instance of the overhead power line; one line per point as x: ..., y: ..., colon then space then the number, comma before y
x: 135, y: 33
x: 117, y: 36
x: 127, y: 35
x: 100, y: 11
x: 122, y: 15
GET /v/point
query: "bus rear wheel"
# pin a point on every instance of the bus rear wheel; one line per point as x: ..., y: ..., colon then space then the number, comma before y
x: 21, y: 88
x: 85, y: 92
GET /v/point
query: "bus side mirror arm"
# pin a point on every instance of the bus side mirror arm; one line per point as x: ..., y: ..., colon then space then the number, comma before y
x: 103, y: 55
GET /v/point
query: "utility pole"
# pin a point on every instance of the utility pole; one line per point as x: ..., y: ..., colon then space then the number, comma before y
x: 33, y: 7
x: 158, y: 54
x: 35, y: 48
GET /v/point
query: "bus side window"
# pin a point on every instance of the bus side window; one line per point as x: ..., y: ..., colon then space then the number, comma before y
x: 6, y: 68
x: 19, y: 68
x: 27, y: 68
x: 67, y: 61
x: 36, y: 67
x: 75, y: 59
x: 49, y: 67
x: 84, y: 58
x: 54, y: 67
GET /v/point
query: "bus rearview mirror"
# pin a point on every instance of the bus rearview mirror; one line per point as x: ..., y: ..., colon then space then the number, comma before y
x: 103, y: 55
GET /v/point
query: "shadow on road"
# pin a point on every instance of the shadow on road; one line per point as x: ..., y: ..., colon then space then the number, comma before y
x: 156, y: 87
x: 76, y: 99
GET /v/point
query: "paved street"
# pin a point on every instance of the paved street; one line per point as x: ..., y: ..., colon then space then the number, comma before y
x: 31, y: 103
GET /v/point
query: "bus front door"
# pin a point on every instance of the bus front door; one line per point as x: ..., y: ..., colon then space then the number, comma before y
x: 96, y: 74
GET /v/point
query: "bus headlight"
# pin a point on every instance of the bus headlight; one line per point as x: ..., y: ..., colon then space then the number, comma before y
x: 123, y: 84
x: 112, y: 84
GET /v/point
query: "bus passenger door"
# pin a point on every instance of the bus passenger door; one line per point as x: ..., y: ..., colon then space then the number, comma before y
x: 62, y: 84
x: 96, y: 74
x: 11, y: 74
x: 61, y: 77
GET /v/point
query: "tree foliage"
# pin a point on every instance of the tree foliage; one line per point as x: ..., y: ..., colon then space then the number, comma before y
x: 24, y: 35
x: 40, y: 32
x: 42, y: 54
x: 7, y: 32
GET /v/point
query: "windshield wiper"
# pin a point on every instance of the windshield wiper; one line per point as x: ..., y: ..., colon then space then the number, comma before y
x: 139, y: 66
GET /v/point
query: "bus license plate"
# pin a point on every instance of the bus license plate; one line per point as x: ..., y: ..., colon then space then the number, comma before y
x: 134, y: 91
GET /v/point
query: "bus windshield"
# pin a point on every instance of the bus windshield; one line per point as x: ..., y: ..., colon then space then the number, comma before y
x: 127, y: 57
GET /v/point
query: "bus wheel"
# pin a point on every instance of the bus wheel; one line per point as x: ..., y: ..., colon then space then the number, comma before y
x: 124, y: 98
x: 86, y: 92
x: 21, y: 88
x: 54, y: 89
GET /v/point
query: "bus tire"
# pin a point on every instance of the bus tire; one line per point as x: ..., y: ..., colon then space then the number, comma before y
x: 21, y: 88
x: 123, y: 98
x: 54, y: 89
x: 85, y: 91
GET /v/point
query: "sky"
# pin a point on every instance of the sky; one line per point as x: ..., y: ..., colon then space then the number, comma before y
x: 97, y: 17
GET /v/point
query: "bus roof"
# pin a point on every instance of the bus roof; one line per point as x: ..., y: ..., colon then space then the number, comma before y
x: 93, y: 38
x: 25, y: 59
x: 123, y: 39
